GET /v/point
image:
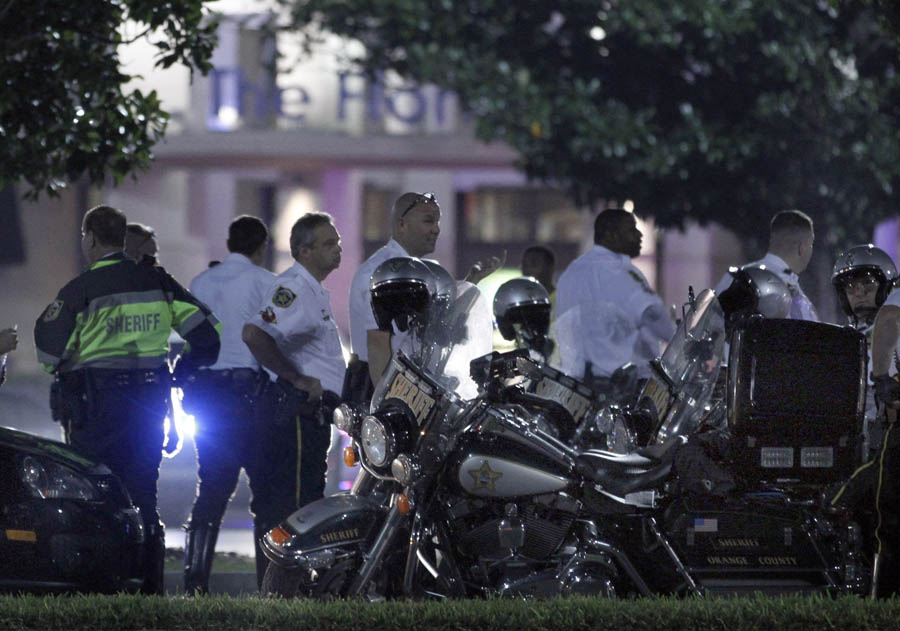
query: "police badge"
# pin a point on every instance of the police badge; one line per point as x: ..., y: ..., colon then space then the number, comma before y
x: 53, y: 310
x: 283, y: 297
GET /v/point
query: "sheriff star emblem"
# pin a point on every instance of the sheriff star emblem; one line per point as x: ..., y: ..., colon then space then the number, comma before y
x: 53, y: 310
x: 283, y: 297
x: 485, y: 477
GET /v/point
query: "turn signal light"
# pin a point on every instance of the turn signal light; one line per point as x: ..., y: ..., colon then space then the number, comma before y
x: 403, y: 504
x: 279, y: 535
x: 349, y: 456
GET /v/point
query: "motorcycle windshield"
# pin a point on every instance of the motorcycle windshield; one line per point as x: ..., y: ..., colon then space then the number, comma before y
x: 685, y: 375
x: 442, y: 342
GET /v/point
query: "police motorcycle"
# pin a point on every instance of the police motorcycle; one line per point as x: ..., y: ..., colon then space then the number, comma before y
x: 465, y: 489
x: 726, y: 497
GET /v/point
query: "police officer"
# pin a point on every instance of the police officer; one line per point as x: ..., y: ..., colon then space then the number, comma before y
x: 223, y: 398
x: 140, y: 241
x: 607, y: 314
x: 106, y: 338
x: 862, y: 277
x: 875, y: 486
x: 791, y: 237
x: 295, y: 336
x: 415, y: 226
x: 539, y: 261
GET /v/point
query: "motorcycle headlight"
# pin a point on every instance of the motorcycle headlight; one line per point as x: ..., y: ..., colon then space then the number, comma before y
x: 405, y: 469
x: 385, y: 434
x: 50, y: 480
x: 346, y: 418
x: 376, y: 441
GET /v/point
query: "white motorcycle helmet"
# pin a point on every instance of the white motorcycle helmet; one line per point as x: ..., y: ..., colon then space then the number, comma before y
x: 859, y: 262
x: 525, y: 302
x: 755, y: 291
x: 402, y: 289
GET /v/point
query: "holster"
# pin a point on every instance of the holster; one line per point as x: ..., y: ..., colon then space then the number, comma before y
x: 358, y: 387
x: 289, y: 402
x: 70, y: 397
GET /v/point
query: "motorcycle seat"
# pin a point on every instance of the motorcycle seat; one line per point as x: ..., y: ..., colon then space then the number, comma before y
x: 621, y: 474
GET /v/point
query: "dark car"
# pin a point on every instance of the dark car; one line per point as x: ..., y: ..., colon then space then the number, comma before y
x: 66, y: 523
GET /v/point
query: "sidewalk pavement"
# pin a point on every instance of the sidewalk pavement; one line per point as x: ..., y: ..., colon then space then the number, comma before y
x: 230, y: 583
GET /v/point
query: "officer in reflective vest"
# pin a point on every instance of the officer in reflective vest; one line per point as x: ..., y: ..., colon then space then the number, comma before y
x: 105, y: 337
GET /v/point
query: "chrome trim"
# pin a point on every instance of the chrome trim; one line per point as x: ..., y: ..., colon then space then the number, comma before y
x: 372, y: 560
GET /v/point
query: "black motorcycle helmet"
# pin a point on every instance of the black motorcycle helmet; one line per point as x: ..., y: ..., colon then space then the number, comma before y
x: 754, y: 291
x: 402, y: 289
x: 859, y: 262
x: 524, y: 302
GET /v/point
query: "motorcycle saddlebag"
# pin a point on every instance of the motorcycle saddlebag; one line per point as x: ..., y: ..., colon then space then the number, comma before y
x: 758, y: 543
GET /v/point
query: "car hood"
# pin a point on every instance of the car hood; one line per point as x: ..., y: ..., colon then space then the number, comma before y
x: 16, y: 440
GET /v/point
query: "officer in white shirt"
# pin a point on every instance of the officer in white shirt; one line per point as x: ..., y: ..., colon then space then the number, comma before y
x: 791, y: 238
x: 294, y: 335
x: 223, y: 398
x: 607, y: 314
x: 415, y: 226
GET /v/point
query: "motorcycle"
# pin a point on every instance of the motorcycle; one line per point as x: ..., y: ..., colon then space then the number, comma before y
x: 494, y: 495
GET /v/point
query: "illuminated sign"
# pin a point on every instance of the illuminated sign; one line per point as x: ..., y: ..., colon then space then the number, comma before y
x: 235, y: 98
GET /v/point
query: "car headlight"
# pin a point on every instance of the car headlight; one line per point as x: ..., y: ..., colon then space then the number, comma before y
x: 376, y: 441
x: 50, y: 480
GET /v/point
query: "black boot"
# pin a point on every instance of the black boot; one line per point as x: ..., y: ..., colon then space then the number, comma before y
x: 199, y: 550
x: 154, y: 560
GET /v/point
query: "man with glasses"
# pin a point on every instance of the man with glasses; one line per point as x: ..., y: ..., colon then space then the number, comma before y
x: 106, y: 338
x: 415, y: 226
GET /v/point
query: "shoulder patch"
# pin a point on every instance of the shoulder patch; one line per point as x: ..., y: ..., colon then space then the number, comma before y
x: 640, y: 280
x: 283, y: 297
x: 268, y: 315
x: 53, y: 310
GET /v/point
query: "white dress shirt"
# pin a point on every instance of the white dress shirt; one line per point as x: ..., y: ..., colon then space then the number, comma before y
x: 233, y: 289
x: 361, y: 317
x: 607, y: 315
x: 801, y: 307
x: 296, y: 312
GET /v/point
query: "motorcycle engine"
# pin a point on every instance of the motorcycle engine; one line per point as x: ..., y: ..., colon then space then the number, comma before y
x: 546, y: 520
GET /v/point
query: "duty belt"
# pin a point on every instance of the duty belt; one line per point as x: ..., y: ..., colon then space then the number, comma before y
x: 234, y: 375
x: 246, y: 381
x: 109, y: 378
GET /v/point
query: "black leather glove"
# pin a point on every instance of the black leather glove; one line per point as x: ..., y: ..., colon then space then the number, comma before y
x: 887, y: 390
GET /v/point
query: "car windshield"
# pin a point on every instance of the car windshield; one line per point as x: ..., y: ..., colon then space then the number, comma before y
x: 443, y: 342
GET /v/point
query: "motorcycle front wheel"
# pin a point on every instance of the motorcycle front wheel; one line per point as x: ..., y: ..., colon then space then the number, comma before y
x: 294, y: 583
x: 283, y: 582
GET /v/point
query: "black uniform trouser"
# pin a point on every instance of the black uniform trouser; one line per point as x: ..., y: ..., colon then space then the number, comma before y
x: 883, y: 471
x: 295, y: 457
x: 226, y: 436
x: 121, y: 425
x: 123, y: 429
x: 285, y: 463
